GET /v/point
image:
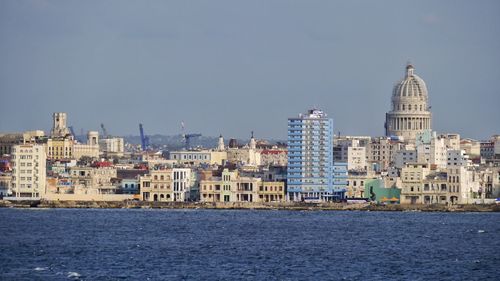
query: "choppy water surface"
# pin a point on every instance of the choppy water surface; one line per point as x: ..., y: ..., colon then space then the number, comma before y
x: 66, y: 244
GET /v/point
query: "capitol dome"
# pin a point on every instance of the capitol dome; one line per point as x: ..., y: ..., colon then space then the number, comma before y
x: 411, y: 85
x: 409, y: 113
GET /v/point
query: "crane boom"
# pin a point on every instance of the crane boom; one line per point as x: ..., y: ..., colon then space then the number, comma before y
x: 104, y: 131
x: 144, y: 138
x: 188, y: 137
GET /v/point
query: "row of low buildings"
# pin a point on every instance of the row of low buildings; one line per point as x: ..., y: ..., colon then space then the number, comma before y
x: 59, y: 167
x: 410, y: 165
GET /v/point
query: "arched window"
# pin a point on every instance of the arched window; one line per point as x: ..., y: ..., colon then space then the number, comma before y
x: 403, y: 107
x: 409, y: 107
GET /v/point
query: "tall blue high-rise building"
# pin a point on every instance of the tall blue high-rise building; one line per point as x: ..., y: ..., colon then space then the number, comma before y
x: 310, y: 157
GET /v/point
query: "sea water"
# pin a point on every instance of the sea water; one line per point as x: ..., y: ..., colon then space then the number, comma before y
x: 135, y: 244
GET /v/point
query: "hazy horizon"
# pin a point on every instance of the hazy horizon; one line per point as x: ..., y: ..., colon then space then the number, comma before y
x: 232, y: 67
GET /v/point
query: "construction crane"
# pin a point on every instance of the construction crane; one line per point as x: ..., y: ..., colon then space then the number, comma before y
x: 144, y: 138
x: 104, y: 132
x: 188, y: 137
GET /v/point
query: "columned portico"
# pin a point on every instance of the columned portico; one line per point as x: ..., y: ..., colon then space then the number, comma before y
x: 410, y: 113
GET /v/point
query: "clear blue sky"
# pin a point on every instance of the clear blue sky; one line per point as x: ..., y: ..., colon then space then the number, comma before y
x: 231, y: 66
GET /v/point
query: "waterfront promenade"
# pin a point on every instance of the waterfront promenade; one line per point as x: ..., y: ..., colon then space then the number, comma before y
x: 299, y: 206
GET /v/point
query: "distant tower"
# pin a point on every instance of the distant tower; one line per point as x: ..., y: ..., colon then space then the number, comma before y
x: 253, y: 144
x: 220, y: 145
x: 93, y: 138
x: 410, y: 113
x: 59, y: 128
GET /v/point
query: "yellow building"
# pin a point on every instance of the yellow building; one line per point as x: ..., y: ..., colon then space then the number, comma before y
x: 7, y: 141
x: 412, y: 177
x: 59, y: 148
x: 166, y: 185
x: 271, y: 191
x: 231, y: 187
x: 197, y: 157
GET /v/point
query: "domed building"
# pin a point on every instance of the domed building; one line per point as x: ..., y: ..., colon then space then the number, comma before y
x: 410, y: 113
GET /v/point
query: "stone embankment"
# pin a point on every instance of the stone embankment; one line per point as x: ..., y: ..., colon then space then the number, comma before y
x: 130, y: 204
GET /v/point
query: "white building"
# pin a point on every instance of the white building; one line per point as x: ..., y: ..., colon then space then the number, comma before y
x: 452, y: 141
x: 409, y: 113
x: 438, y: 152
x: 167, y: 185
x: 181, y: 183
x: 458, y: 158
x: 197, y: 157
x: 90, y: 149
x: 403, y: 157
x: 114, y: 146
x: 433, y: 151
x: 463, y: 183
x: 28, y: 170
x: 471, y: 147
x: 381, y: 152
x: 356, y: 156
x: 248, y: 155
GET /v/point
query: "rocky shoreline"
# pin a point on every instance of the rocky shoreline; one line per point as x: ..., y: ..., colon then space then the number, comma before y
x: 251, y: 206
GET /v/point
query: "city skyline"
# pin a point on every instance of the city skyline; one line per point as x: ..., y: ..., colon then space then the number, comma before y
x: 166, y: 63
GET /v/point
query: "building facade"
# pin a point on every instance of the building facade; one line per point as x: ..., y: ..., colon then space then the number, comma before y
x: 198, y: 157
x: 28, y: 170
x: 170, y: 185
x: 59, y: 126
x: 310, y: 156
x: 409, y: 113
x: 230, y: 186
x: 356, y: 157
x: 112, y: 146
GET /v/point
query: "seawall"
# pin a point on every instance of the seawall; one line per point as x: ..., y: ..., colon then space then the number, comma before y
x: 130, y: 204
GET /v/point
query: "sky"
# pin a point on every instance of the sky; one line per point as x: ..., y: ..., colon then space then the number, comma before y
x: 232, y: 67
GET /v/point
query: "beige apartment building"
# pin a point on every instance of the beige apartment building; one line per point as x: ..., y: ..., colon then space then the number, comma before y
x: 28, y: 170
x: 231, y: 187
x: 381, y: 152
x: 412, y: 177
x: 93, y: 180
x: 166, y: 185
